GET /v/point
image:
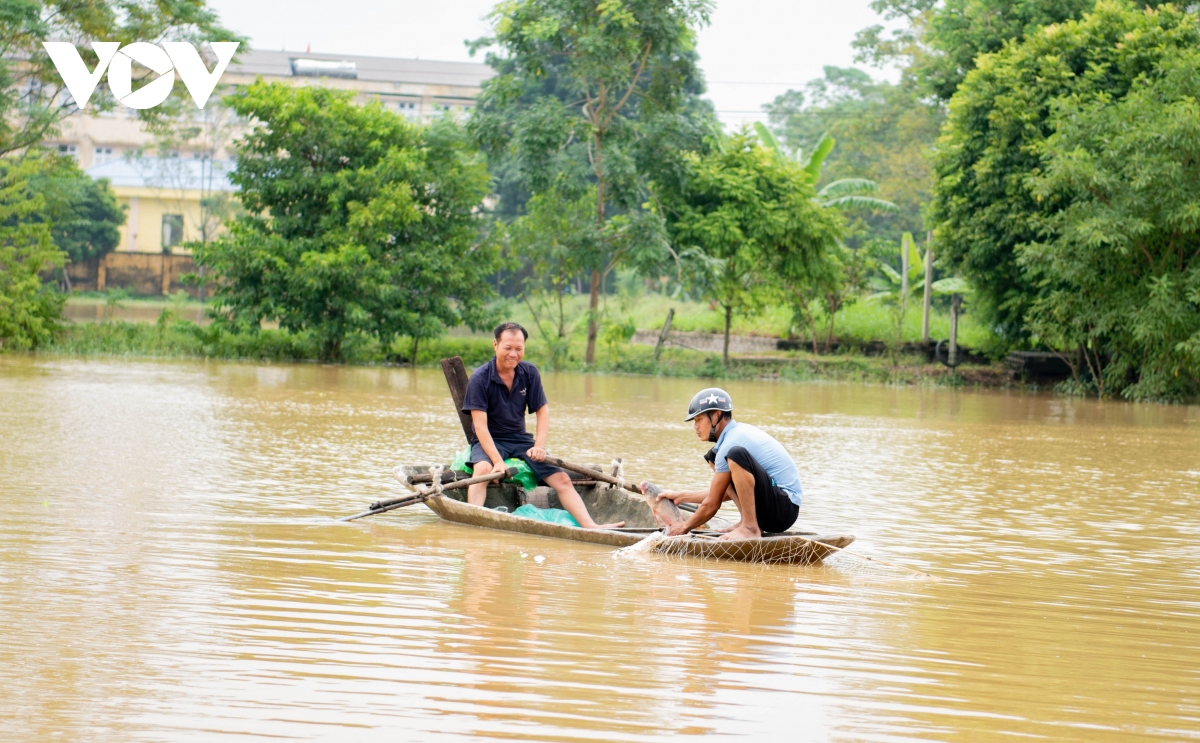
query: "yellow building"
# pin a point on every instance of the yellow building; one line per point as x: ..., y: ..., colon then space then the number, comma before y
x: 167, y: 201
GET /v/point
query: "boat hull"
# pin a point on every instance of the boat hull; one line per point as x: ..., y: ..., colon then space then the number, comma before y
x: 792, y: 548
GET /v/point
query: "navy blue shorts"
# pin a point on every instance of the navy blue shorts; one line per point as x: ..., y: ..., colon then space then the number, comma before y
x: 509, y: 448
x: 775, y: 510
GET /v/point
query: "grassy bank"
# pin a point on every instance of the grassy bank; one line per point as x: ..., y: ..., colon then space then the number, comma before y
x: 171, y: 338
x: 860, y: 322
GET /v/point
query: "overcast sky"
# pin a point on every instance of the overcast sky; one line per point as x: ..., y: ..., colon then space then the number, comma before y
x: 752, y: 51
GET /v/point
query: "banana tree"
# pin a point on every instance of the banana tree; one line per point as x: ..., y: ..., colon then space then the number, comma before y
x: 844, y: 193
x: 894, y: 287
x: 890, y: 285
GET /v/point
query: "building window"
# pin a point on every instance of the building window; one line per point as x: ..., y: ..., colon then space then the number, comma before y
x: 104, y: 155
x: 172, y: 231
x: 408, y: 109
x: 67, y: 149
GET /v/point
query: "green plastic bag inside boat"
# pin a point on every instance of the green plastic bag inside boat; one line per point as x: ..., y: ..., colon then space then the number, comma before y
x: 551, y: 515
x: 524, y: 477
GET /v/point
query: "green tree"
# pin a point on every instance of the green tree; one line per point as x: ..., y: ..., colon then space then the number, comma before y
x: 884, y: 133
x: 552, y: 238
x: 828, y: 278
x: 616, y: 66
x: 748, y: 223
x: 30, y: 310
x: 985, y: 207
x: 83, y: 213
x: 938, y: 42
x: 358, y: 222
x: 1119, y: 269
x: 32, y: 95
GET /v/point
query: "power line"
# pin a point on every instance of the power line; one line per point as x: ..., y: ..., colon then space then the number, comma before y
x: 733, y: 82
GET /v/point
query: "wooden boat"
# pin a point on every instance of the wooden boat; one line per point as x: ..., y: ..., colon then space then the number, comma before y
x: 608, y: 504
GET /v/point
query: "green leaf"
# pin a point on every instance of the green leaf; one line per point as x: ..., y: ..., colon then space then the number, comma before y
x: 953, y: 285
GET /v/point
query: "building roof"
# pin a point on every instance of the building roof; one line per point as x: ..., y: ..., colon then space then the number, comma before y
x: 382, y: 69
x: 183, y: 174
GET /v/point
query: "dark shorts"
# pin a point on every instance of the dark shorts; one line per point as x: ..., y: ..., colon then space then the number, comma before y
x: 774, y: 508
x: 513, y: 447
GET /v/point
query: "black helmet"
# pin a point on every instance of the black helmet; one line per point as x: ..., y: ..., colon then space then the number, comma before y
x: 712, y: 398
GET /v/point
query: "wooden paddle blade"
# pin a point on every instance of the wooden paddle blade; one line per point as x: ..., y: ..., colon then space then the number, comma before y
x: 456, y: 379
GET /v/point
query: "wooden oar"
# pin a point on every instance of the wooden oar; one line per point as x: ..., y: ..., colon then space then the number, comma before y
x: 423, y: 494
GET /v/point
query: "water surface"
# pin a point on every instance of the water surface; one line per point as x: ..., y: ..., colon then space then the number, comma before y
x: 169, y: 569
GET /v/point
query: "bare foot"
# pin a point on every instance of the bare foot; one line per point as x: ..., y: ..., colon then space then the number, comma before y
x: 743, y: 532
x: 728, y: 529
x: 617, y: 525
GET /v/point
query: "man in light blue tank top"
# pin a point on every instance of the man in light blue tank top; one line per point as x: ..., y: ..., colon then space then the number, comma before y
x: 752, y: 469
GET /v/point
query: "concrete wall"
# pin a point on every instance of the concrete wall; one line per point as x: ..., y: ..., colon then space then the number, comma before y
x: 141, y: 274
x: 144, y: 210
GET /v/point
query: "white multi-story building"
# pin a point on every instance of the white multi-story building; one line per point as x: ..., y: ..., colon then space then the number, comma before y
x: 162, y: 190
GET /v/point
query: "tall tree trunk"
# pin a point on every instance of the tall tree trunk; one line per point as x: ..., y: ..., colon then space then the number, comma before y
x: 728, y: 322
x: 834, y: 305
x: 812, y: 327
x: 593, y: 324
x: 594, y: 301
x: 416, y: 344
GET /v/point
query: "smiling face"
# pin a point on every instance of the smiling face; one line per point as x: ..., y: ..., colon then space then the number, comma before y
x: 510, y: 349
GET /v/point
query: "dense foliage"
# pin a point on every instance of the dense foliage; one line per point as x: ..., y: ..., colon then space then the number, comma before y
x: 29, y: 308
x: 994, y: 144
x: 883, y: 133
x: 938, y: 42
x: 1119, y: 267
x: 358, y: 223
x: 589, y: 92
x: 83, y: 213
x: 747, y: 223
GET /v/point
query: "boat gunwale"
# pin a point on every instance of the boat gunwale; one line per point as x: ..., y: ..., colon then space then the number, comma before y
x: 456, y: 511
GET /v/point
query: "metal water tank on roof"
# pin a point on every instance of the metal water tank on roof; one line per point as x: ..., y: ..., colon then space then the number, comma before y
x: 302, y: 67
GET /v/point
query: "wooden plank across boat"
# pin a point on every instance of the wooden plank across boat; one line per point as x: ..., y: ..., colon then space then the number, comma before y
x: 608, y: 504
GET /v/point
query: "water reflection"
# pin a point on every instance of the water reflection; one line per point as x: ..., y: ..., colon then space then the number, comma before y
x: 168, y: 569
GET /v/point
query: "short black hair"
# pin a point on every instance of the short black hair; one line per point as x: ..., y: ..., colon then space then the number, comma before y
x: 504, y: 327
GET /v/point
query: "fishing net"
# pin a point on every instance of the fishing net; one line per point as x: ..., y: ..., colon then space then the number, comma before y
x: 777, y: 550
x: 770, y: 550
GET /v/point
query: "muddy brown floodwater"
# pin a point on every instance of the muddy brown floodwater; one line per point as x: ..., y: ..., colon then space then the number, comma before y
x: 170, y: 570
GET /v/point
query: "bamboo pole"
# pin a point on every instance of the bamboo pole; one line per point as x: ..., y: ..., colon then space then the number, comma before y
x: 928, y: 287
x: 594, y: 474
x: 423, y: 494
x: 955, y: 304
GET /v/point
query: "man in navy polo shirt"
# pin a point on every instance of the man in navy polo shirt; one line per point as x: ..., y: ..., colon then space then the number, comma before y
x: 498, y: 395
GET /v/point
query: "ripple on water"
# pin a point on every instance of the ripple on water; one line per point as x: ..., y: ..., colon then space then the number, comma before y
x: 169, y: 570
